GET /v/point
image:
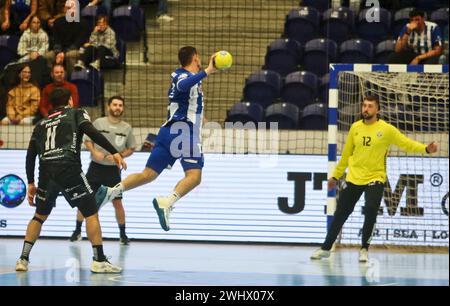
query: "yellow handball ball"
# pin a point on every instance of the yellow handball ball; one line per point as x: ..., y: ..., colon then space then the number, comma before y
x: 223, y: 60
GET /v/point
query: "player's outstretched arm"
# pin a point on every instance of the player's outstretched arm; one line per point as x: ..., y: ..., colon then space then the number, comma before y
x: 410, y: 145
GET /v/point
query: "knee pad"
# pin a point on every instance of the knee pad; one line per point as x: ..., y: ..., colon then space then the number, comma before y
x: 38, y: 220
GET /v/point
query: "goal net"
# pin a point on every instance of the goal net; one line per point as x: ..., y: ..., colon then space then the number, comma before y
x: 414, y: 209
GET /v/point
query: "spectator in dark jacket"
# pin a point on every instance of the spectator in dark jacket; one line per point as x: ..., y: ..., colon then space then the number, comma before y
x: 49, y: 11
x: 68, y: 37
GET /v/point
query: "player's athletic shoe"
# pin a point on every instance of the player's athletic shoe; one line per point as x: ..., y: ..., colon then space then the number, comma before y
x: 163, y: 210
x: 124, y: 240
x: 104, y: 267
x: 319, y: 254
x: 22, y: 265
x: 105, y: 194
x: 76, y: 236
x: 363, y: 255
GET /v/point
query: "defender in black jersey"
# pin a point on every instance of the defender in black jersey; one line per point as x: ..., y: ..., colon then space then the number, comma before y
x: 56, y: 139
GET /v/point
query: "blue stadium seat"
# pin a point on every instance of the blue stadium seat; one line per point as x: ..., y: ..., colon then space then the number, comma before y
x: 319, y: 53
x: 283, y: 56
x: 302, y: 24
x: 90, y: 13
x: 83, y: 3
x: 401, y: 4
x: 300, y: 88
x: 320, y: 5
x: 440, y: 17
x: 324, y: 85
x: 371, y: 30
x: 383, y: 50
x: 8, y: 50
x: 338, y: 24
x: 405, y: 119
x: 430, y: 5
x: 245, y: 112
x: 262, y: 87
x: 401, y: 18
x: 90, y: 85
x: 356, y: 51
x: 314, y: 117
x: 285, y: 114
x: 128, y: 22
x: 430, y: 117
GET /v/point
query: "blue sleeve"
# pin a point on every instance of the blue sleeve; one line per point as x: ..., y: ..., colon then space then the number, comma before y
x: 186, y: 84
x: 402, y: 32
x: 436, y: 37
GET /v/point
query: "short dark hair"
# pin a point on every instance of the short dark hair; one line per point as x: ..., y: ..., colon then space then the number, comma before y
x: 416, y: 12
x: 102, y: 17
x: 185, y: 55
x: 58, y: 65
x: 117, y: 97
x: 373, y: 99
x: 59, y: 97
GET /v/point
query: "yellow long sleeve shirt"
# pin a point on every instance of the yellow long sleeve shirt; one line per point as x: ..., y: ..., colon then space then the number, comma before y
x: 366, y: 149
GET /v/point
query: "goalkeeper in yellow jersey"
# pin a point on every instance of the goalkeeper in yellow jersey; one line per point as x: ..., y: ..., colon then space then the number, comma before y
x: 365, y: 154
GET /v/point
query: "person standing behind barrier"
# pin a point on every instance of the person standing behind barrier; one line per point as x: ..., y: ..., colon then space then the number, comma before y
x: 102, y: 170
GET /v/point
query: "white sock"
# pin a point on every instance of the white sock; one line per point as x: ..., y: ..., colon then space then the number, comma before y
x: 172, y: 198
x: 118, y: 188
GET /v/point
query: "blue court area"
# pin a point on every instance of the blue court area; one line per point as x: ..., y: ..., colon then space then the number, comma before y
x: 62, y: 263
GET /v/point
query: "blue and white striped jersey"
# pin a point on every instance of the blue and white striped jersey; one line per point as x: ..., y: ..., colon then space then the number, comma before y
x: 423, y: 42
x: 186, y: 97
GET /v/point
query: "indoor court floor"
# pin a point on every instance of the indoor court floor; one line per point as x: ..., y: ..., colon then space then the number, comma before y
x: 62, y: 263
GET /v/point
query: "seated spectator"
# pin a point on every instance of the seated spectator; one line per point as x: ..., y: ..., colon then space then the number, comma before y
x: 419, y: 42
x: 58, y: 76
x: 102, y: 43
x: 50, y: 10
x: 23, y: 100
x: 22, y: 11
x: 68, y: 37
x: 34, y: 42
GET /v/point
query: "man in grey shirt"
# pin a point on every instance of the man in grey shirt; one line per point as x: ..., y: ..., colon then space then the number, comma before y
x: 102, y: 170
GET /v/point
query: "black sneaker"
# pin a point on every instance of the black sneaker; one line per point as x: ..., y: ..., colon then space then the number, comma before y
x: 124, y: 240
x: 76, y: 236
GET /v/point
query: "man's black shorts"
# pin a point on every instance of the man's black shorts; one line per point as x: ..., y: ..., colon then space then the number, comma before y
x: 68, y: 179
x: 98, y: 174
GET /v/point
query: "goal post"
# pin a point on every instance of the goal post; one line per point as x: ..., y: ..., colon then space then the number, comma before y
x: 414, y: 98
